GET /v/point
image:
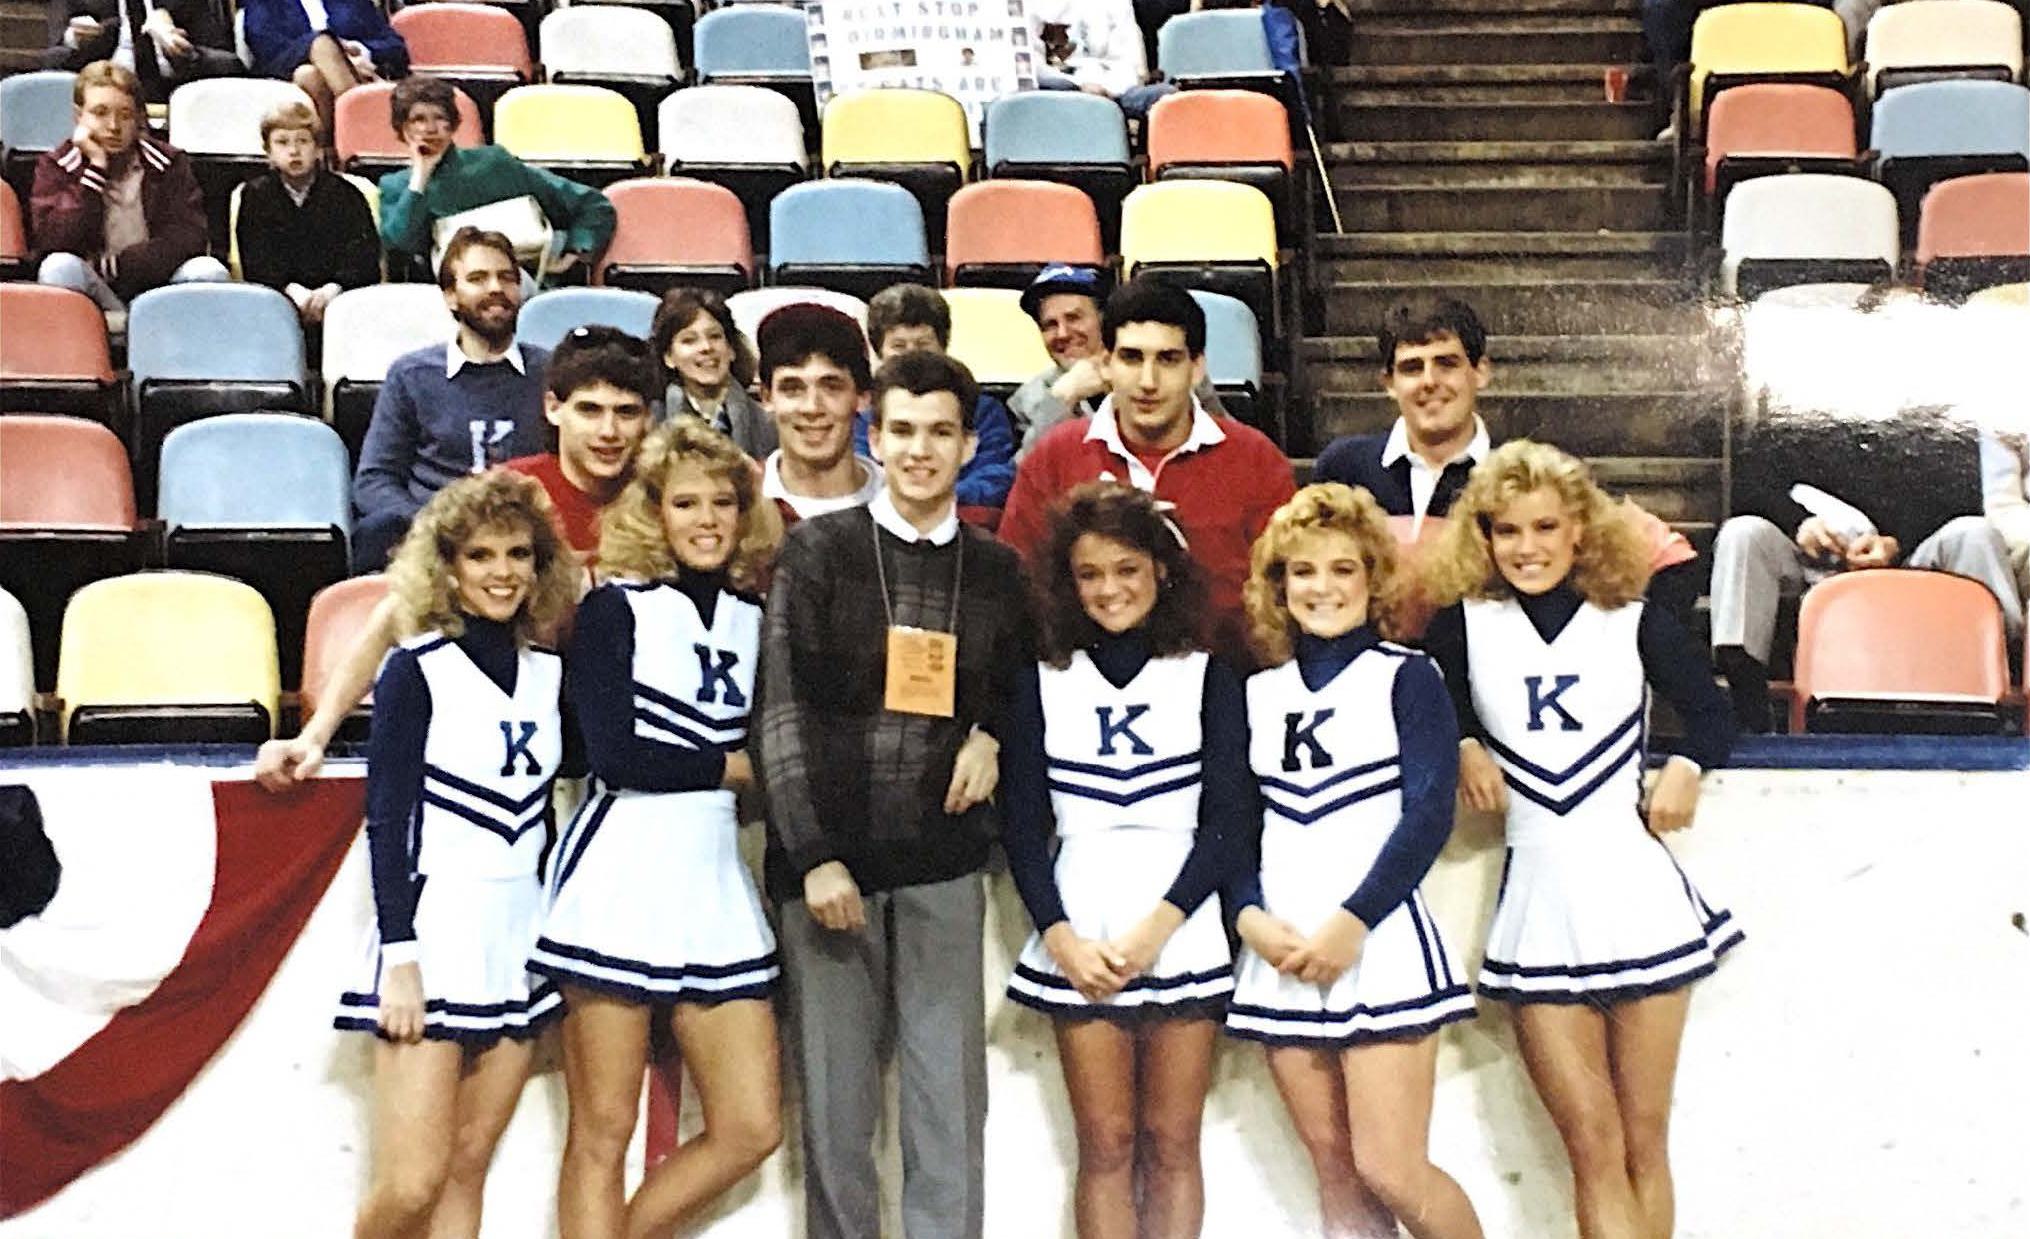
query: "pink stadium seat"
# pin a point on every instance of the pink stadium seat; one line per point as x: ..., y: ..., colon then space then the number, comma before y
x: 1001, y: 233
x: 677, y: 231
x: 13, y: 235
x: 1786, y: 126
x: 54, y: 356
x: 465, y: 41
x: 1973, y: 231
x: 363, y: 136
x: 1899, y: 636
x: 338, y: 614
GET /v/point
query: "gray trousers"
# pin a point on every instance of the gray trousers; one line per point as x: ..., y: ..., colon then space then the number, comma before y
x: 914, y: 972
x: 1755, y: 564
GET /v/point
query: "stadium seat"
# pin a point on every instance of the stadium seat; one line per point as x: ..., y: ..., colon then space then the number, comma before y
x: 855, y: 236
x: 549, y: 316
x: 759, y: 45
x: 674, y: 231
x: 996, y: 339
x: 624, y: 49
x: 750, y: 307
x: 199, y: 349
x: 479, y: 48
x: 367, y: 189
x: 999, y: 234
x: 365, y: 330
x: 1227, y: 135
x: 1974, y: 231
x: 35, y: 116
x: 1069, y: 137
x: 1804, y: 228
x: 1933, y: 131
x: 66, y: 519
x: 54, y: 356
x: 364, y: 140
x: 217, y: 122
x: 588, y: 133
x: 1929, y: 40
x: 1734, y: 44
x: 17, y: 675
x: 1898, y: 649
x: 1222, y: 48
x: 338, y: 614
x: 1233, y: 354
x: 1214, y: 235
x: 1765, y: 128
x: 746, y: 138
x: 2005, y: 296
x: 13, y: 236
x: 168, y: 658
x: 264, y: 498
x: 918, y: 139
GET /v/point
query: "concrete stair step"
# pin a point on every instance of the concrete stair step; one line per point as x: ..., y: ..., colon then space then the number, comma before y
x: 1678, y: 489
x: 1493, y: 257
x: 1505, y: 163
x: 1482, y: 206
x: 1531, y: 307
x: 1371, y: 84
x: 1663, y: 424
x: 1540, y: 365
x: 1552, y: 121
x: 1498, y: 38
x: 1452, y: 10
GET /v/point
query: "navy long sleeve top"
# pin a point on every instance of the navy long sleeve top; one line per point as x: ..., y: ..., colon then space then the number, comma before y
x: 1225, y: 801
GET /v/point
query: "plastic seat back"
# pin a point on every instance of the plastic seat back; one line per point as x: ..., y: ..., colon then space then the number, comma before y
x: 338, y: 615
x: 674, y: 223
x: 167, y: 655
x: 1017, y: 227
x: 750, y: 307
x: 608, y: 40
x: 1197, y: 222
x: 1764, y: 40
x: 859, y: 223
x: 1899, y: 634
x: 1778, y: 119
x: 2003, y: 296
x: 266, y: 470
x: 63, y: 472
x: 17, y: 674
x: 54, y: 355
x: 1204, y: 127
x: 457, y: 38
x: 748, y: 41
x: 1916, y: 39
x: 549, y: 316
x: 221, y: 116
x: 360, y: 128
x: 996, y: 339
x: 1213, y: 44
x: 568, y: 124
x: 890, y: 127
x: 1233, y: 342
x: 1810, y: 218
x: 35, y: 110
x: 1043, y: 127
x: 222, y: 335
x: 1976, y: 217
x: 13, y: 232
x: 730, y: 126
x: 1956, y: 118
x: 366, y: 329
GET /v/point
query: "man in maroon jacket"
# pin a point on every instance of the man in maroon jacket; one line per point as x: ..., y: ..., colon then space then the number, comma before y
x: 115, y: 212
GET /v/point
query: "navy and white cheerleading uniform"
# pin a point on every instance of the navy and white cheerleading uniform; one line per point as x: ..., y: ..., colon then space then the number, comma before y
x: 1592, y: 908
x: 466, y: 743
x: 648, y: 897
x: 1356, y: 755
x: 1138, y: 765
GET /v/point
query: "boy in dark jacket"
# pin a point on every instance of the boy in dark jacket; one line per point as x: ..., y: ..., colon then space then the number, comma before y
x: 303, y: 231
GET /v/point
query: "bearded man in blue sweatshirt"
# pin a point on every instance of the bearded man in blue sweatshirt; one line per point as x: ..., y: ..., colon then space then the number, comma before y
x: 451, y: 409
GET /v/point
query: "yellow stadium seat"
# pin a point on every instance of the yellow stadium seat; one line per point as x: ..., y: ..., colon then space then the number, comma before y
x: 1764, y: 42
x: 168, y: 657
x: 917, y: 138
x: 367, y: 189
x: 2003, y: 295
x: 1213, y: 235
x: 588, y: 133
x: 994, y: 337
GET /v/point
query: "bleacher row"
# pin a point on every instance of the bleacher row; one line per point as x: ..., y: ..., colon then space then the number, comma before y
x: 1798, y: 166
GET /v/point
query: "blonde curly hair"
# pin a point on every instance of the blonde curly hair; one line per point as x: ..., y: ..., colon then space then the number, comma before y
x: 420, y: 574
x: 1610, y: 567
x: 632, y: 543
x: 1321, y: 508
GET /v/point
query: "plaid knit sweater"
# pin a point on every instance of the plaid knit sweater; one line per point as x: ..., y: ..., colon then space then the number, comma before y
x: 846, y: 779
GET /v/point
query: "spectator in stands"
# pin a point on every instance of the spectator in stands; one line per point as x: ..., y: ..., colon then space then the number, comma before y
x: 179, y: 40
x: 1222, y: 479
x: 2005, y: 498
x: 1876, y: 499
x: 113, y: 211
x: 878, y: 773
x: 326, y: 47
x: 1065, y: 302
x: 301, y: 230
x: 710, y: 363
x: 444, y: 180
x: 452, y: 409
x: 1435, y: 364
x: 908, y: 318
x: 1095, y: 46
x: 814, y: 376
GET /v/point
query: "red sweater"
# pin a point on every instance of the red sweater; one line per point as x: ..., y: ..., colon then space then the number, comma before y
x: 577, y: 512
x: 1225, y: 482
x: 67, y: 214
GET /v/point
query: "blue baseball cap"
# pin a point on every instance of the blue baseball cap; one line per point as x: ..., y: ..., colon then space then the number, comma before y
x: 1056, y: 278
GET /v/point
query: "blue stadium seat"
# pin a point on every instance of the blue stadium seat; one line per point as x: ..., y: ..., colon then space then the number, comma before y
x: 854, y: 236
x: 1927, y: 132
x: 762, y: 44
x: 1068, y: 137
x: 1233, y: 352
x: 264, y: 498
x: 548, y: 317
x: 1221, y: 48
x: 35, y: 116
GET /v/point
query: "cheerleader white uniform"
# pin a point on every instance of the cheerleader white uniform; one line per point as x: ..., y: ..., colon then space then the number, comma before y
x: 649, y: 899
x: 1356, y: 755
x: 465, y: 745
x: 1136, y: 763
x: 1592, y: 908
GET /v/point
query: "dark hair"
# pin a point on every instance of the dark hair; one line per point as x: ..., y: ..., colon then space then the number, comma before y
x: 921, y: 373
x: 1144, y: 300
x: 418, y: 89
x: 1421, y: 320
x: 470, y: 238
x: 681, y: 307
x: 908, y: 305
x: 600, y: 354
x: 1130, y: 517
x: 802, y: 330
